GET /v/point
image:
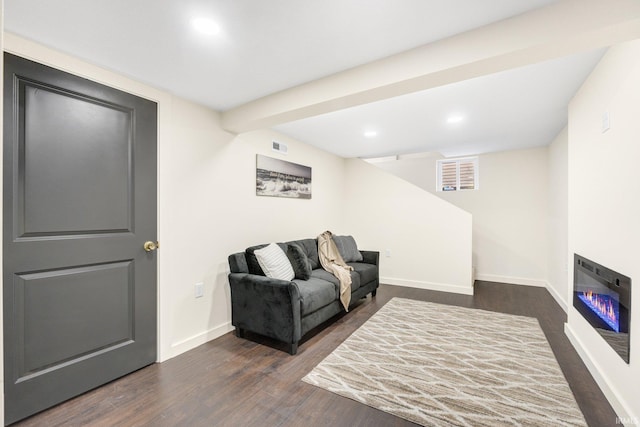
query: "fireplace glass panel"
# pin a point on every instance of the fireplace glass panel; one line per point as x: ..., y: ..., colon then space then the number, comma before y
x: 603, y: 297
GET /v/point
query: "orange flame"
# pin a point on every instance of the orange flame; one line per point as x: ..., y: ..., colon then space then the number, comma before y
x: 604, y: 306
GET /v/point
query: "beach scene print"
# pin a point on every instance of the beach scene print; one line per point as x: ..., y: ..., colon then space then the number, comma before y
x: 279, y: 178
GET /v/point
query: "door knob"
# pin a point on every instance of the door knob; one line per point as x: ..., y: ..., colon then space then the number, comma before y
x: 150, y: 246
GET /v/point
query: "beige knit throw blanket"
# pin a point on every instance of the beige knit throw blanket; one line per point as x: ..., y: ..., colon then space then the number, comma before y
x: 332, y: 261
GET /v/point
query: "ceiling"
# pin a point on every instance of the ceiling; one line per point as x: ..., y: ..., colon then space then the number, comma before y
x: 515, y: 109
x: 264, y: 47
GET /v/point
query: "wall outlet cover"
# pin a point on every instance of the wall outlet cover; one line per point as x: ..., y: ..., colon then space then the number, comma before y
x: 199, y: 290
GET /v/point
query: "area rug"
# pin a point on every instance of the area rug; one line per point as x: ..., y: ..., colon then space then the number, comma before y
x: 440, y: 365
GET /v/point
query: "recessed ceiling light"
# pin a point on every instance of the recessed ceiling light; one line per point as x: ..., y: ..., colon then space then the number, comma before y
x: 456, y: 118
x: 370, y: 134
x: 206, y: 26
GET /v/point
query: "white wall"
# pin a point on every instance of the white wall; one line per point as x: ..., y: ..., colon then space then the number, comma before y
x: 208, y: 188
x: 429, y: 240
x: 509, y: 211
x: 557, y: 259
x: 604, y: 209
x: 419, y: 170
x: 207, y: 203
x: 208, y: 208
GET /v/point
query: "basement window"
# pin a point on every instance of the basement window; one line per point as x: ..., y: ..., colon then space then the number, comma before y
x: 458, y: 174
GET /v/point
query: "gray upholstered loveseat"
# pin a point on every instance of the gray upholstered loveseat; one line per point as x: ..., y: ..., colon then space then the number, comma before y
x: 286, y: 310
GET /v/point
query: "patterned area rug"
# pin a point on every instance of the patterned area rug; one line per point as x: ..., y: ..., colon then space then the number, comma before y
x: 440, y: 365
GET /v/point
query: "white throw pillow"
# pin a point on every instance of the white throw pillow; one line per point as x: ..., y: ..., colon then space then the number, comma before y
x: 274, y: 262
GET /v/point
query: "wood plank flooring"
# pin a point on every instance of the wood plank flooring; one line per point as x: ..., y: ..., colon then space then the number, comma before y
x: 238, y: 382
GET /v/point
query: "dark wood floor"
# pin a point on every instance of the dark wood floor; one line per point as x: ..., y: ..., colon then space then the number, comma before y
x: 237, y: 382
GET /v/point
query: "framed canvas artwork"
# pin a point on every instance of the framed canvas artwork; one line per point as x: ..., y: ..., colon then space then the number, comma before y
x: 280, y: 178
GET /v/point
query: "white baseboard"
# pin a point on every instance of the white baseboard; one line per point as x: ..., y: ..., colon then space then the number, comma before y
x: 556, y: 296
x: 511, y: 280
x: 199, y: 339
x: 625, y: 414
x: 443, y: 287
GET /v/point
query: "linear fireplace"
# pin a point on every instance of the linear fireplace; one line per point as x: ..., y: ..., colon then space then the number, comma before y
x: 603, y: 297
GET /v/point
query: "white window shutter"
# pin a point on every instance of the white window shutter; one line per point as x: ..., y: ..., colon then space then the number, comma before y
x: 458, y: 174
x: 467, y: 175
x: 448, y: 180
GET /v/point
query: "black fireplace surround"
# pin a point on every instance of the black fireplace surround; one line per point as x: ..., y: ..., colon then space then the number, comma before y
x: 603, y: 297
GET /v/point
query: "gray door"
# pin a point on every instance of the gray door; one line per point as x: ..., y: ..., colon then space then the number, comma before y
x: 79, y: 203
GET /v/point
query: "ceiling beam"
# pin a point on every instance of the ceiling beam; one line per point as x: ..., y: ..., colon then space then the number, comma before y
x: 561, y: 29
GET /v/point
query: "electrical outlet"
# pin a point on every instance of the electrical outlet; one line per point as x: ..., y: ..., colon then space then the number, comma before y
x: 199, y: 290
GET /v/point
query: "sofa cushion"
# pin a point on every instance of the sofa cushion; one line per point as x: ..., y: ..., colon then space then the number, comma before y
x: 321, y: 273
x: 348, y: 248
x: 314, y: 294
x: 238, y: 263
x: 252, y: 261
x: 325, y: 275
x: 274, y: 262
x: 367, y: 272
x: 355, y: 281
x: 299, y: 261
x: 310, y: 249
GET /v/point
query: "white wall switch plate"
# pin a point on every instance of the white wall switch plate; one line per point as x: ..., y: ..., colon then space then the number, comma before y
x: 199, y: 290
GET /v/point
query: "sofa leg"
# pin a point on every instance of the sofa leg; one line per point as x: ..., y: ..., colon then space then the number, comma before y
x: 293, y: 348
x: 373, y: 293
x: 239, y: 333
